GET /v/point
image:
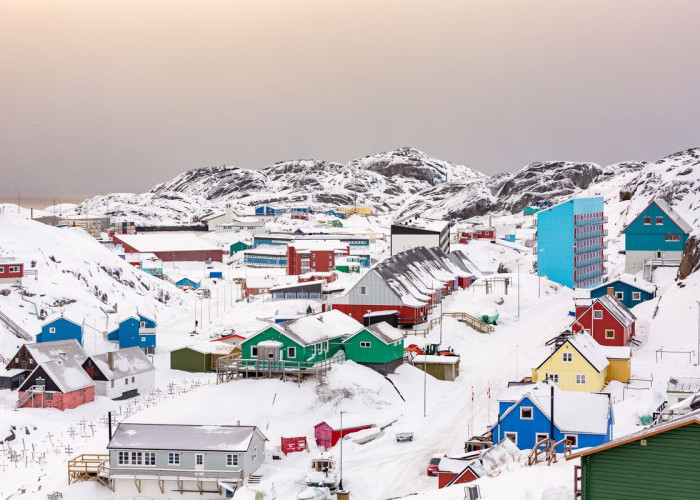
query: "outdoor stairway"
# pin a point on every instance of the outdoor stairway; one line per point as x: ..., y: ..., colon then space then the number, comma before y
x: 14, y: 328
x: 254, y: 478
x: 471, y: 321
x: 547, y: 449
x: 29, y: 394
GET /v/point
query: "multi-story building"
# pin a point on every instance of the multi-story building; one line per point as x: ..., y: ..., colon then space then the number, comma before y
x: 308, y: 256
x: 414, y: 232
x: 570, y: 242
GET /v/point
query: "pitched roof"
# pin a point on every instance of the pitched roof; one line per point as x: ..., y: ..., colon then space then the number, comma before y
x: 689, y: 419
x: 49, y: 351
x: 129, y: 361
x: 316, y: 328
x: 683, y: 384
x: 183, y: 437
x: 617, y: 309
x: 489, y: 459
x: 580, y: 412
x: 67, y: 374
x: 586, y: 347
x: 630, y: 280
x: 666, y: 208
x: 383, y: 331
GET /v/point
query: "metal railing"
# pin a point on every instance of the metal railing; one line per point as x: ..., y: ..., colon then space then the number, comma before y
x: 14, y: 328
x: 471, y: 321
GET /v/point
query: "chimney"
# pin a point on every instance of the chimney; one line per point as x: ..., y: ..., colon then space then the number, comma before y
x: 110, y: 359
x: 109, y: 425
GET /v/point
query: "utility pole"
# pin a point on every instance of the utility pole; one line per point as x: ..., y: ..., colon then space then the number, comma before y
x: 518, y: 289
x: 340, y: 483
x: 441, y: 322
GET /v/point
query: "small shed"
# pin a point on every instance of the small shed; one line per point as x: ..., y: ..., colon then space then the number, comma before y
x: 378, y: 346
x: 12, y: 378
x: 440, y: 367
x: 293, y: 444
x: 201, y: 357
x: 328, y: 432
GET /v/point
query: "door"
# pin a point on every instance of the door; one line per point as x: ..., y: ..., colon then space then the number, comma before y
x: 199, y: 461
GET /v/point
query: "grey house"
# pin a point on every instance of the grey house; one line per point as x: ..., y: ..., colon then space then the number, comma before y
x: 182, y: 461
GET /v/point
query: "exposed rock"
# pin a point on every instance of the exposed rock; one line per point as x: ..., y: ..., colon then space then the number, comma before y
x: 691, y: 257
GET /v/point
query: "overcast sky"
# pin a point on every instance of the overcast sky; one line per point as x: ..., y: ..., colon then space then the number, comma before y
x: 117, y: 95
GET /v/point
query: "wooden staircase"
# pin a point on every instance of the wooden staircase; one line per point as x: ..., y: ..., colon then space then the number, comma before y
x: 14, y: 328
x: 546, y: 450
x: 471, y: 321
x: 254, y: 478
x: 28, y: 395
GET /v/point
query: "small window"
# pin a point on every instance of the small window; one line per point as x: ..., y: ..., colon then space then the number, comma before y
x: 173, y: 458
x: 554, y: 377
x: 609, y: 334
x: 136, y: 458
x: 126, y: 381
x: 647, y: 221
x: 254, y: 351
x: 513, y: 436
x: 142, y: 324
x: 133, y: 380
x: 526, y: 413
x: 52, y: 329
x: 112, y: 384
x: 572, y: 439
x: 659, y: 221
x: 149, y: 458
x: 540, y: 436
x: 199, y: 459
x: 567, y: 357
x: 636, y: 295
x: 365, y: 344
x: 291, y: 352
x: 143, y: 339
x: 597, y: 314
x: 123, y: 458
x: 14, y: 269
x: 2, y: 269
x: 80, y: 392
x: 580, y: 379
x: 620, y: 295
x: 255, y: 453
x: 362, y: 290
x: 231, y: 460
x: 48, y: 396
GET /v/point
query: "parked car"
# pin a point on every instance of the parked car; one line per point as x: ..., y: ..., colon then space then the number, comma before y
x: 404, y: 436
x: 433, y: 465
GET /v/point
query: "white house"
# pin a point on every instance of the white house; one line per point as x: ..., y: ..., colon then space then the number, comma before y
x: 121, y: 374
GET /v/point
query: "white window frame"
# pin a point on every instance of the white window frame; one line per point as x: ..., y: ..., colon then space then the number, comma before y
x: 136, y: 458
x: 231, y: 460
x: 254, y: 351
x: 609, y: 337
x: 620, y: 295
x: 656, y: 220
x: 123, y: 458
x: 513, y: 436
x: 142, y: 324
x: 554, y: 377
x: 567, y: 357
x: 362, y: 290
x: 2, y: 269
x: 580, y: 379
x: 52, y: 329
x: 291, y: 352
x: 538, y: 434
x: 365, y: 344
x: 532, y: 413
x: 636, y: 295
x: 575, y: 439
x: 13, y: 269
x: 644, y: 221
x: 173, y: 458
x: 199, y: 459
x: 597, y: 314
x: 147, y: 456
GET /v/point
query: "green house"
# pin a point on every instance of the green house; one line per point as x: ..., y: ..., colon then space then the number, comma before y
x: 661, y: 461
x: 308, y: 339
x: 378, y: 346
x: 238, y: 247
x: 200, y: 358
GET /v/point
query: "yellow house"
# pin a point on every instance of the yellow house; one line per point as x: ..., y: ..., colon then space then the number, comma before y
x: 366, y: 210
x: 579, y: 363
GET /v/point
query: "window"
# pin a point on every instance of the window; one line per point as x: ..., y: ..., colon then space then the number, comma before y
x: 142, y: 324
x: 2, y: 269
x: 143, y: 339
x: 580, y: 379
x: 567, y: 357
x: 554, y: 377
x: 199, y: 459
x: 80, y: 392
x: 513, y: 436
x: 362, y: 290
x: 149, y: 458
x: 14, y: 269
x: 136, y: 458
x: 123, y: 458
x: 572, y: 439
x: 173, y: 458
x: 133, y: 380
x: 636, y: 295
x: 620, y: 295
x: 597, y: 314
x: 52, y: 329
x: 254, y: 351
x: 48, y: 396
x: 541, y: 436
x: 112, y: 384
x: 526, y: 413
x: 659, y: 221
x: 647, y: 221
x: 231, y: 460
x: 609, y: 334
x: 365, y: 344
x: 673, y: 237
x: 126, y: 381
x: 291, y: 352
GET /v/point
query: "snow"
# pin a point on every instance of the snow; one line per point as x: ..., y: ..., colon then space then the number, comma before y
x: 321, y: 327
x: 171, y: 242
x: 67, y: 374
x: 129, y: 361
x: 435, y: 360
x: 142, y: 436
x: 591, y: 350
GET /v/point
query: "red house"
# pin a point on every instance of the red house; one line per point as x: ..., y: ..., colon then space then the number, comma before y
x: 308, y: 256
x: 477, y: 233
x: 60, y: 384
x: 11, y: 271
x: 607, y: 320
x: 293, y: 444
x: 328, y: 433
x: 171, y: 247
x: 458, y: 471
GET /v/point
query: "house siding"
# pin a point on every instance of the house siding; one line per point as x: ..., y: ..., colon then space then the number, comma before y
x: 378, y: 352
x: 626, y: 290
x: 302, y: 353
x: 567, y: 371
x: 597, y: 327
x: 667, y: 467
x: 189, y: 360
x: 65, y: 330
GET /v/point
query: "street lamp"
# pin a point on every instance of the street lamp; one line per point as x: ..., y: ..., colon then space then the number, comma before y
x: 340, y: 483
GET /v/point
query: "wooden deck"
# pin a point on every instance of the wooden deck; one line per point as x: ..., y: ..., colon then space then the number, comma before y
x: 89, y: 467
x: 471, y: 321
x: 231, y: 368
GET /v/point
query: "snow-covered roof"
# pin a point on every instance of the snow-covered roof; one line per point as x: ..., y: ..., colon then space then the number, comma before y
x: 4, y: 372
x: 55, y: 316
x: 385, y: 332
x: 579, y: 412
x: 349, y: 421
x: 178, y: 242
x: 211, y: 347
x: 183, y: 437
x: 683, y: 384
x: 305, y: 246
x: 436, y: 360
x: 320, y: 327
x: 588, y: 348
x: 277, y: 250
x: 49, y: 351
x: 616, y: 352
x: 270, y: 343
x: 423, y: 223
x: 630, y: 280
x: 617, y: 309
x: 309, y: 284
x: 67, y: 374
x: 128, y: 361
x: 666, y: 208
x: 259, y: 282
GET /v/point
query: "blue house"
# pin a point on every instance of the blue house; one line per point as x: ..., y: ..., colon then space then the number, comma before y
x: 656, y: 234
x: 60, y: 328
x: 335, y: 213
x: 187, y: 283
x: 583, y: 418
x: 570, y: 242
x: 270, y: 210
x: 628, y: 289
x: 135, y: 331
